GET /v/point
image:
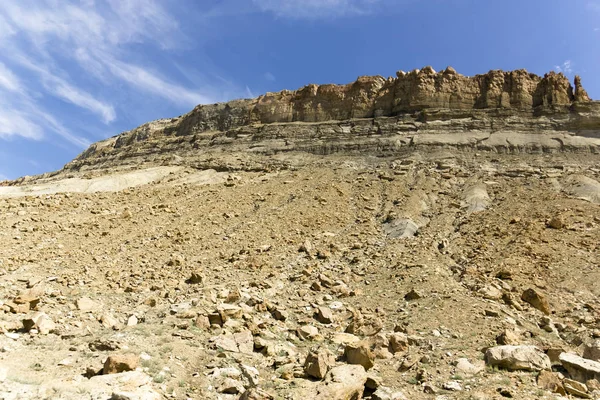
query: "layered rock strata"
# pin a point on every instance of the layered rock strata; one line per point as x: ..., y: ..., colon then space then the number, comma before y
x: 500, y: 111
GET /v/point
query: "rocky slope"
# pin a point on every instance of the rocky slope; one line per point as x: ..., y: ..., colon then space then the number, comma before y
x: 438, y: 239
x: 498, y: 111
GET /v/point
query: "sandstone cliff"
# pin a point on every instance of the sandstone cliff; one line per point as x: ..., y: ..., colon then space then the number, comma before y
x: 502, y: 111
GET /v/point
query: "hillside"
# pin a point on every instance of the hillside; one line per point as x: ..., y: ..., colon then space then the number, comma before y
x: 428, y: 236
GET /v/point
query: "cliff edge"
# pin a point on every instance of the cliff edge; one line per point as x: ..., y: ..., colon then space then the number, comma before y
x: 513, y: 111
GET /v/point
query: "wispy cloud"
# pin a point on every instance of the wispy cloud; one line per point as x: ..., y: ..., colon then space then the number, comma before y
x: 80, y: 53
x: 148, y: 81
x: 14, y: 122
x: 313, y: 9
x: 9, y: 80
x: 566, y: 67
x: 59, y: 87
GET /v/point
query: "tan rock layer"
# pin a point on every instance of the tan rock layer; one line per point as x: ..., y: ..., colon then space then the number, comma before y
x: 499, y: 111
x: 375, y: 96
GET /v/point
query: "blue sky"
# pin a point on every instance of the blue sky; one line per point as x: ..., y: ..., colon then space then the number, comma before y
x: 75, y: 72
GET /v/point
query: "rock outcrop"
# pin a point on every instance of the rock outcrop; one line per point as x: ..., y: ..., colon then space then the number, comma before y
x: 375, y: 96
x: 499, y: 111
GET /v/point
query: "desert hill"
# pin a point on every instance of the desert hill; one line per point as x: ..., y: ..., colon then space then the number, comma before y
x: 427, y: 236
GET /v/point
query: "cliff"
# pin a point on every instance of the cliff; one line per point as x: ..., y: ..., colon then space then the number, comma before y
x: 512, y: 111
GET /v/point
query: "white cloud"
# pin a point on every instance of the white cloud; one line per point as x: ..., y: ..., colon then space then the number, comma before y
x: 147, y: 81
x: 59, y: 87
x: 8, y: 79
x: 317, y: 8
x: 72, y: 51
x: 566, y: 67
x: 15, y: 123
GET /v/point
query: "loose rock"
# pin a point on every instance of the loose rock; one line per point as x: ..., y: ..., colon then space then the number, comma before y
x: 528, y: 358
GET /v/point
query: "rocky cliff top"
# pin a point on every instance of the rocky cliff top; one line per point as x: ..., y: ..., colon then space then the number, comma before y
x: 375, y: 96
x: 498, y: 111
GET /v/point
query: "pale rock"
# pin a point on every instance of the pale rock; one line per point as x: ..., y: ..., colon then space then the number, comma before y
x: 580, y: 369
x: 508, y: 337
x: 575, y: 388
x: 465, y: 367
x: 490, y: 293
x: 202, y: 322
x: 318, y: 362
x: 251, y: 374
x: 242, y: 342
x: 41, y: 322
x: 230, y: 386
x: 364, y: 325
x: 306, y: 332
x: 120, y: 363
x: 345, y: 382
x: 593, y: 384
x: 528, y: 358
x: 108, y: 321
x: 144, y: 393
x: 343, y: 338
x: 229, y: 311
x: 453, y: 386
x: 386, y: 393
x: 132, y: 320
x: 86, y: 304
x: 324, y: 315
x: 132, y: 385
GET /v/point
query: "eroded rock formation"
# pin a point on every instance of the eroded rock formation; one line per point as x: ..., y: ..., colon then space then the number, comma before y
x: 375, y: 96
x: 512, y: 111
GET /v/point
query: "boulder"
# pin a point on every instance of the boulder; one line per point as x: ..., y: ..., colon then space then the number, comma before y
x: 527, y: 358
x: 508, y: 336
x: 537, y: 300
x: 359, y: 353
x: 550, y: 381
x: 324, y: 315
x: 465, y: 367
x: 580, y: 369
x: 576, y: 388
x: 40, y: 321
x: 318, y: 362
x: 346, y: 382
x: 120, y: 363
x: 241, y: 342
x: 398, y: 342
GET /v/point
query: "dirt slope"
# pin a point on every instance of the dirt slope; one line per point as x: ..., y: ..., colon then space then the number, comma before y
x: 218, y: 284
